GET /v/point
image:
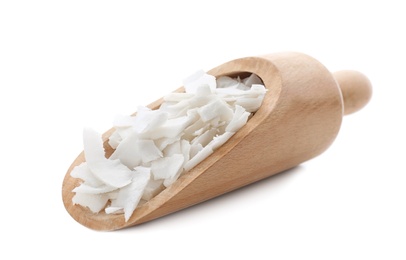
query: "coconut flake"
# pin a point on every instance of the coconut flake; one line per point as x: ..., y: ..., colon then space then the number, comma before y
x: 227, y: 82
x: 153, y: 120
x: 149, y: 151
x: 93, y: 146
x: 214, y: 109
x: 171, y: 129
x: 113, y: 210
x: 198, y: 158
x: 251, y: 80
x: 172, y: 149
x: 220, y: 140
x: 167, y: 167
x: 177, y: 97
x: 162, y: 143
x: 129, y: 196
x: 83, y: 172
x: 206, y: 137
x: 110, y: 172
x: 239, y: 119
x: 153, y: 148
x: 199, y: 78
x: 84, y: 188
x: 152, y: 189
x: 95, y: 202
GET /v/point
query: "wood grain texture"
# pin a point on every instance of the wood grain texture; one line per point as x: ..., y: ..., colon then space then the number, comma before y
x: 299, y: 119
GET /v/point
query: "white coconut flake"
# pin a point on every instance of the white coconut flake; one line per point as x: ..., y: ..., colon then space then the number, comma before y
x: 220, y: 140
x: 227, y: 82
x: 152, y: 189
x: 149, y: 151
x: 214, y: 109
x: 239, y: 119
x: 114, y: 210
x: 128, y: 151
x: 251, y: 80
x: 155, y: 119
x: 153, y: 148
x: 93, y: 146
x: 162, y: 143
x: 171, y: 129
x: 167, y: 167
x: 185, y: 150
x: 129, y: 196
x: 84, y: 173
x: 206, y: 137
x: 177, y: 97
x: 198, y: 79
x: 172, y: 149
x: 95, y: 202
x: 119, y: 135
x: 170, y: 180
x: 84, y: 188
x: 110, y: 172
x: 198, y: 158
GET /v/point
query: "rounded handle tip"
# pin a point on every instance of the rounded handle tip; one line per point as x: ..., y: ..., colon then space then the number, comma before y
x: 356, y: 89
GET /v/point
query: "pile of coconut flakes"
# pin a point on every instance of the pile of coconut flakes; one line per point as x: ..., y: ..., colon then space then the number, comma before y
x: 155, y: 147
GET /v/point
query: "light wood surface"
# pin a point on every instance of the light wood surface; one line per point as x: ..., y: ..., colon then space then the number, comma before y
x: 299, y: 119
x: 355, y: 88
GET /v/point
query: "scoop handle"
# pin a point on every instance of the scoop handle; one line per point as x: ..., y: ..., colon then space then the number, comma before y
x: 356, y: 89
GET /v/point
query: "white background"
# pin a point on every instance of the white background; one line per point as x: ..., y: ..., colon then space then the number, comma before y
x: 65, y: 65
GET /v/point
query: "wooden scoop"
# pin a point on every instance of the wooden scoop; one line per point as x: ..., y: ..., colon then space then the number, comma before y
x: 299, y: 118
